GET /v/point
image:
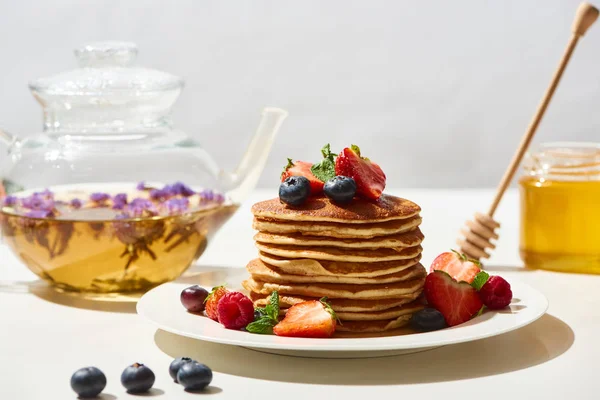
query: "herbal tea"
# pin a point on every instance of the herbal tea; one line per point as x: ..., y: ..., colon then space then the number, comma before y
x: 104, y: 243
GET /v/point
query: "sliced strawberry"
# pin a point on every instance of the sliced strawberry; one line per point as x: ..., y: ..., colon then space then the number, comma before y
x: 457, y: 301
x: 310, y: 319
x: 369, y: 178
x: 212, y: 302
x: 302, y: 168
x: 457, y: 265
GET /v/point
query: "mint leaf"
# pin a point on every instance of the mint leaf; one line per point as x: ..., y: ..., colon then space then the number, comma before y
x: 480, y: 279
x: 273, y: 306
x: 262, y: 326
x: 325, y: 170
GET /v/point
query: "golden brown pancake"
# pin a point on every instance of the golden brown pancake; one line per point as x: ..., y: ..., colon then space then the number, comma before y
x: 337, y: 230
x: 308, y: 267
x: 336, y: 254
x: 373, y: 326
x: 268, y: 273
x: 339, y: 290
x: 386, y: 208
x: 391, y: 313
x: 339, y: 305
x: 407, y: 239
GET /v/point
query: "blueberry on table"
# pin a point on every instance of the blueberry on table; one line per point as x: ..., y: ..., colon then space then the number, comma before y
x: 137, y: 378
x: 340, y: 189
x: 194, y: 376
x: 176, y: 365
x: 193, y: 298
x: 88, y: 382
x: 294, y: 190
x: 428, y: 319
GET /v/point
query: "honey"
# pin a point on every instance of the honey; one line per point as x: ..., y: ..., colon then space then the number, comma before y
x: 560, y: 208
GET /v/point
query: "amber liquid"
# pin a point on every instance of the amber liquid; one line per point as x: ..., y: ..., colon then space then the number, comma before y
x: 560, y: 225
x: 112, y: 256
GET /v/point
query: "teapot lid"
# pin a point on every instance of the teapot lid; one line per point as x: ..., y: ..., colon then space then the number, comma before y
x: 106, y: 67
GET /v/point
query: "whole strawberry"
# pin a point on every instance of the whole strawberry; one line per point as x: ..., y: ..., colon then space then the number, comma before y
x: 369, y: 177
x: 212, y: 302
x: 496, y: 293
x: 235, y: 310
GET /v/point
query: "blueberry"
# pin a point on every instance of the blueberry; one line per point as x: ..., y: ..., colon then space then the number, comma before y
x: 294, y: 190
x: 176, y: 364
x: 428, y: 319
x: 340, y: 189
x: 194, y: 376
x: 137, y: 378
x: 88, y: 382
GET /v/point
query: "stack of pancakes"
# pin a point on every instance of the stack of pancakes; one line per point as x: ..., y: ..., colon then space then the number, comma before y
x: 363, y: 256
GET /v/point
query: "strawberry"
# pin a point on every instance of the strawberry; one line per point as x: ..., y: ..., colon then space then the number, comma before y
x: 309, y: 319
x: 457, y: 301
x: 212, y: 302
x: 302, y: 168
x: 369, y: 178
x: 457, y: 265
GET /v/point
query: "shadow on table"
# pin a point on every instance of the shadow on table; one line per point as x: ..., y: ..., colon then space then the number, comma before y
x: 539, y: 342
x: 120, y: 303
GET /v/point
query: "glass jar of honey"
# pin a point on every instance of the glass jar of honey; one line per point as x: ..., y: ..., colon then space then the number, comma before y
x: 560, y: 208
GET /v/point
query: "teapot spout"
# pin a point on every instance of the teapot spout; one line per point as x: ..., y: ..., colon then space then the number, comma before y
x: 242, y: 181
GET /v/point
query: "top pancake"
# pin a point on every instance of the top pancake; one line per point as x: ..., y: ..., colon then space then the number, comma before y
x: 386, y: 208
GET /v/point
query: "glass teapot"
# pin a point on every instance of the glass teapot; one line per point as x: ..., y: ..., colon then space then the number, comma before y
x: 110, y: 197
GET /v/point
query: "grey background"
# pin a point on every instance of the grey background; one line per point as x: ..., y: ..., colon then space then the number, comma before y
x: 437, y: 92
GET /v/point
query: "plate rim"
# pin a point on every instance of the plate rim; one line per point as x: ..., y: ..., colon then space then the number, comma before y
x: 361, y: 344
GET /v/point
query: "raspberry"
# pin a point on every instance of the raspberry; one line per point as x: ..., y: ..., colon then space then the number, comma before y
x: 235, y: 310
x: 496, y: 293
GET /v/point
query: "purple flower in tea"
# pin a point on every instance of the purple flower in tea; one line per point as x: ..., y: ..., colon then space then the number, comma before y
x: 38, y: 201
x: 99, y: 197
x: 207, y: 195
x: 141, y: 207
x: 39, y: 214
x: 176, y: 206
x: 119, y: 201
x: 159, y: 194
x: 76, y: 204
x: 141, y: 186
x: 9, y: 201
x: 179, y: 189
x: 219, y: 198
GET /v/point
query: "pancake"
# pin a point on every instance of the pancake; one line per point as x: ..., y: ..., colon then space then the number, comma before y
x: 359, y: 211
x: 336, y: 254
x: 339, y: 305
x: 268, y: 273
x: 308, y: 267
x: 339, y: 290
x: 337, y: 230
x: 407, y: 239
x: 373, y: 326
x: 390, y: 313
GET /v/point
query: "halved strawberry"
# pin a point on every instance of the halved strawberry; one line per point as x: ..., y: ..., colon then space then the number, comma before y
x: 309, y: 319
x: 212, y: 302
x: 302, y: 168
x: 457, y: 301
x: 369, y: 177
x: 457, y: 265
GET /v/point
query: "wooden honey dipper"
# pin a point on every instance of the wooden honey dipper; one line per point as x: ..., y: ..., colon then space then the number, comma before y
x: 478, y: 234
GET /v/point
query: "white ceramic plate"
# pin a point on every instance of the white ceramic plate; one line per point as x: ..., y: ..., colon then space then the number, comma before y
x: 162, y: 307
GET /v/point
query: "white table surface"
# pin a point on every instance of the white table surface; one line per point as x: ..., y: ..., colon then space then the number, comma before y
x: 45, y: 336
